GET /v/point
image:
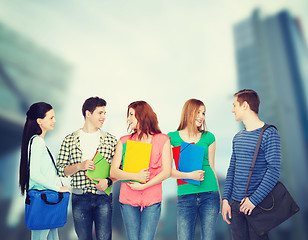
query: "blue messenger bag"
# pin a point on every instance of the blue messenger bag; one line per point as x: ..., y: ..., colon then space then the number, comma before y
x: 45, y: 209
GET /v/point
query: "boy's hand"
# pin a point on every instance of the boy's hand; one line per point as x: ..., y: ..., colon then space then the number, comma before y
x: 102, y: 184
x: 246, y: 206
x: 87, y: 165
x: 226, y: 211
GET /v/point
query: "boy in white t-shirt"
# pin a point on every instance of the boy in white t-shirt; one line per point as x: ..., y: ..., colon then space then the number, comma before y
x: 90, y: 203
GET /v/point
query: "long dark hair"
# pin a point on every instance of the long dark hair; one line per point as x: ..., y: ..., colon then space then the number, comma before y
x: 146, y: 118
x: 36, y: 110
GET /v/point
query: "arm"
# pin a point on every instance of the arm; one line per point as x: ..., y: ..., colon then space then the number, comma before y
x: 272, y: 157
x: 226, y: 209
x: 164, y: 174
x: 117, y: 173
x: 102, y: 184
x: 230, y: 176
x: 65, y: 168
x: 197, y: 175
x: 212, y: 149
x: 83, y: 166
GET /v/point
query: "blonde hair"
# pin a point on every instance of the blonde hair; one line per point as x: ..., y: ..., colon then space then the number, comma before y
x: 189, y: 112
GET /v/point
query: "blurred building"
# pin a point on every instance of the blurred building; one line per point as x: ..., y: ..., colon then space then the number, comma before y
x: 167, y: 227
x: 272, y: 58
x: 28, y: 74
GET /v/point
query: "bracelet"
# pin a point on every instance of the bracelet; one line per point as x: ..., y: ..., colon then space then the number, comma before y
x: 109, y: 181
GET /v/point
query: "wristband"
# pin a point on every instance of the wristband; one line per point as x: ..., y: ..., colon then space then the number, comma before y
x: 109, y: 181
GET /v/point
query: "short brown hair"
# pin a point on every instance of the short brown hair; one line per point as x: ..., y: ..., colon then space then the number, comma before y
x: 249, y: 96
x: 91, y: 104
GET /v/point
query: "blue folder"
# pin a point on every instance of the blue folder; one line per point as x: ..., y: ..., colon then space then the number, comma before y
x: 191, y: 159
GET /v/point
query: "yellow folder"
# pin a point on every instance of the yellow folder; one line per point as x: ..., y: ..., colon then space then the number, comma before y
x: 137, y: 156
x: 102, y: 169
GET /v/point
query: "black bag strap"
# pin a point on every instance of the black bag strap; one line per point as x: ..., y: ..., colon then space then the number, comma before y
x: 28, y: 165
x: 44, y: 198
x: 256, y: 154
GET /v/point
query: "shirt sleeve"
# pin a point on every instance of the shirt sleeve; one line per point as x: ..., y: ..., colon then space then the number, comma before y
x: 211, y: 138
x: 41, y: 163
x: 272, y: 153
x: 230, y: 176
x: 172, y: 137
x: 114, y: 144
x: 63, y: 159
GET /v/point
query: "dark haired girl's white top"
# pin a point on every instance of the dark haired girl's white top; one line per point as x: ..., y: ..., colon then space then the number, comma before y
x: 43, y: 174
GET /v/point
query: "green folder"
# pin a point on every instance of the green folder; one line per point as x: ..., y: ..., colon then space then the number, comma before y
x: 102, y: 170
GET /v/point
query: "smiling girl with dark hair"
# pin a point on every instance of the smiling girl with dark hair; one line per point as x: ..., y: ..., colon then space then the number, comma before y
x: 43, y: 174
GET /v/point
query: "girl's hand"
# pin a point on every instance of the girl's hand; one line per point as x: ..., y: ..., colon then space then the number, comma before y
x: 136, y: 186
x: 197, y: 175
x: 65, y: 189
x: 143, y: 175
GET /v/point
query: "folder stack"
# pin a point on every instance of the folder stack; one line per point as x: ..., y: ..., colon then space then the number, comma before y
x: 190, y: 159
x: 136, y: 156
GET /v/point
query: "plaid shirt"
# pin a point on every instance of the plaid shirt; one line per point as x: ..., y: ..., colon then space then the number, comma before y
x: 70, y: 153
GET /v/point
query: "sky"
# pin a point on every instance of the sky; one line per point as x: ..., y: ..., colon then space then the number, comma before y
x: 163, y: 52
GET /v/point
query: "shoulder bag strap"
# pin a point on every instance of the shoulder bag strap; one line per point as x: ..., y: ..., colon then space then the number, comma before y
x: 53, y: 161
x: 256, y: 154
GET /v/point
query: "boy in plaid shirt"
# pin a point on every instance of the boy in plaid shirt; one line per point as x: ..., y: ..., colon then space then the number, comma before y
x: 90, y: 203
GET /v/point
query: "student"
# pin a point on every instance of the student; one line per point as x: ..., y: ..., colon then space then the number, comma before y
x: 265, y: 173
x: 90, y: 203
x: 196, y: 200
x: 141, y: 203
x: 43, y: 174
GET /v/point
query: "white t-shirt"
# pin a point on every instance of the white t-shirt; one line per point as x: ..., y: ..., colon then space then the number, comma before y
x: 89, y: 143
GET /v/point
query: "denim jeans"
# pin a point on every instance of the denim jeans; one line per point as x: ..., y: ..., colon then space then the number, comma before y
x: 47, y: 234
x: 92, y: 208
x: 140, y: 225
x: 205, y: 205
x: 240, y: 229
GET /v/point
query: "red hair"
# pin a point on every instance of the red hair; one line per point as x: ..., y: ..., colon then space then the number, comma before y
x: 146, y: 117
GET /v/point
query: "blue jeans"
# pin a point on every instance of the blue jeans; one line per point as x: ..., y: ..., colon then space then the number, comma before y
x: 205, y: 205
x: 47, y: 234
x: 240, y: 229
x: 92, y: 208
x: 140, y: 225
